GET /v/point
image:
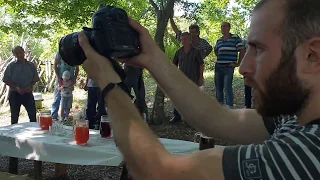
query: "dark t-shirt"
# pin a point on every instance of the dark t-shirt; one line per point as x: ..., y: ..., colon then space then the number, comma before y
x: 204, y: 47
x: 292, y: 152
x: 189, y: 63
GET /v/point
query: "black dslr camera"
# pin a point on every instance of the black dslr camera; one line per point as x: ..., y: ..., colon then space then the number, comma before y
x: 110, y: 35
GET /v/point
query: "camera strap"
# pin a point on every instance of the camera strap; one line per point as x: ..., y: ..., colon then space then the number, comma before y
x: 111, y: 86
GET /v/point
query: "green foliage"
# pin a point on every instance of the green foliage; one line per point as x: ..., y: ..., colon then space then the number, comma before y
x: 42, y: 18
x: 39, y: 47
x: 51, y: 20
x: 47, y: 21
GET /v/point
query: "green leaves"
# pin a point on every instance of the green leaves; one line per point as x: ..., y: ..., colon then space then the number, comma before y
x: 41, y: 17
x: 52, y: 19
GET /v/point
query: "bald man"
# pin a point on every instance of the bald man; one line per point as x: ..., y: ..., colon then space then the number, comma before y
x: 20, y: 75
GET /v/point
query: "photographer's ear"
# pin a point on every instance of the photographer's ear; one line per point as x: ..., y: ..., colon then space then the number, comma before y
x: 85, y: 45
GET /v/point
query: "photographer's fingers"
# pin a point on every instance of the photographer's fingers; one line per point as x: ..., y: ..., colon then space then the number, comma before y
x: 84, y: 43
x: 138, y: 27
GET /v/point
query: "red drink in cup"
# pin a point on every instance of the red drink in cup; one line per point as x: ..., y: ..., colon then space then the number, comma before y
x: 81, y: 133
x: 105, y: 129
x: 45, y: 121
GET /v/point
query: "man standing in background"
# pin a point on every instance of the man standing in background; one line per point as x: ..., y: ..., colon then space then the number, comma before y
x: 227, y: 51
x: 93, y: 98
x: 190, y: 62
x: 59, y: 67
x: 247, y: 89
x: 199, y: 43
x: 134, y: 80
x: 20, y: 75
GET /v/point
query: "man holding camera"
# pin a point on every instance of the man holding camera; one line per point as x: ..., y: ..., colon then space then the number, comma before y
x: 280, y: 139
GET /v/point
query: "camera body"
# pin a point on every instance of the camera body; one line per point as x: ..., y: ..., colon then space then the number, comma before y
x: 110, y: 35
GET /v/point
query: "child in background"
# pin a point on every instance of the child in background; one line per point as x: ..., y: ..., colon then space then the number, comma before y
x: 66, y: 94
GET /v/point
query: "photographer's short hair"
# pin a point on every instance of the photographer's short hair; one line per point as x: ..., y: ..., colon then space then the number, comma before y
x: 194, y: 26
x: 301, y: 22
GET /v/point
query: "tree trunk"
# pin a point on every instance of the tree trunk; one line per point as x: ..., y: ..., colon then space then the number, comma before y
x: 158, y: 114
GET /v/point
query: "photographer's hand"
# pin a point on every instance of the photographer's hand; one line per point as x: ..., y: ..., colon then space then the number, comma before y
x: 150, y: 50
x: 97, y: 67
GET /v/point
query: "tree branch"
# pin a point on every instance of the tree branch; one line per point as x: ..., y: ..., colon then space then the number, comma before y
x: 156, y: 9
x: 162, y: 5
x: 170, y: 5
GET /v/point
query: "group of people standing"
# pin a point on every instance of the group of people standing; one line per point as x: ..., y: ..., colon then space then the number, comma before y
x: 63, y: 96
x: 229, y: 49
x: 66, y: 79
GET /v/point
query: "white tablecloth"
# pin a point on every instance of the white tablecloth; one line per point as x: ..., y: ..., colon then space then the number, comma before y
x: 28, y: 141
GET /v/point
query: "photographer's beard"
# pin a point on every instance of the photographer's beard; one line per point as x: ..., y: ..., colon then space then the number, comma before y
x: 285, y: 93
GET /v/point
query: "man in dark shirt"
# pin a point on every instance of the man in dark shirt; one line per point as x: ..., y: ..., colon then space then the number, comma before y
x: 94, y: 113
x: 20, y: 75
x: 190, y: 62
x: 134, y: 80
x: 199, y: 43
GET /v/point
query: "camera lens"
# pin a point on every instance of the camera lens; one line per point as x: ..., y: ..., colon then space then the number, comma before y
x: 70, y: 50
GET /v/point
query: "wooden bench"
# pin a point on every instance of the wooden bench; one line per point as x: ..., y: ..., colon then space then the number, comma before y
x: 8, y: 176
x: 60, y: 169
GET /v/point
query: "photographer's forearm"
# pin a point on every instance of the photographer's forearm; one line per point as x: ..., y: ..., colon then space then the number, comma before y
x: 204, y: 112
x: 135, y: 140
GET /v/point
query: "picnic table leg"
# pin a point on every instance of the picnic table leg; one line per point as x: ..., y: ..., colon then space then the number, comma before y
x: 124, y: 173
x: 38, y: 170
x: 60, y: 169
x: 13, y: 165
